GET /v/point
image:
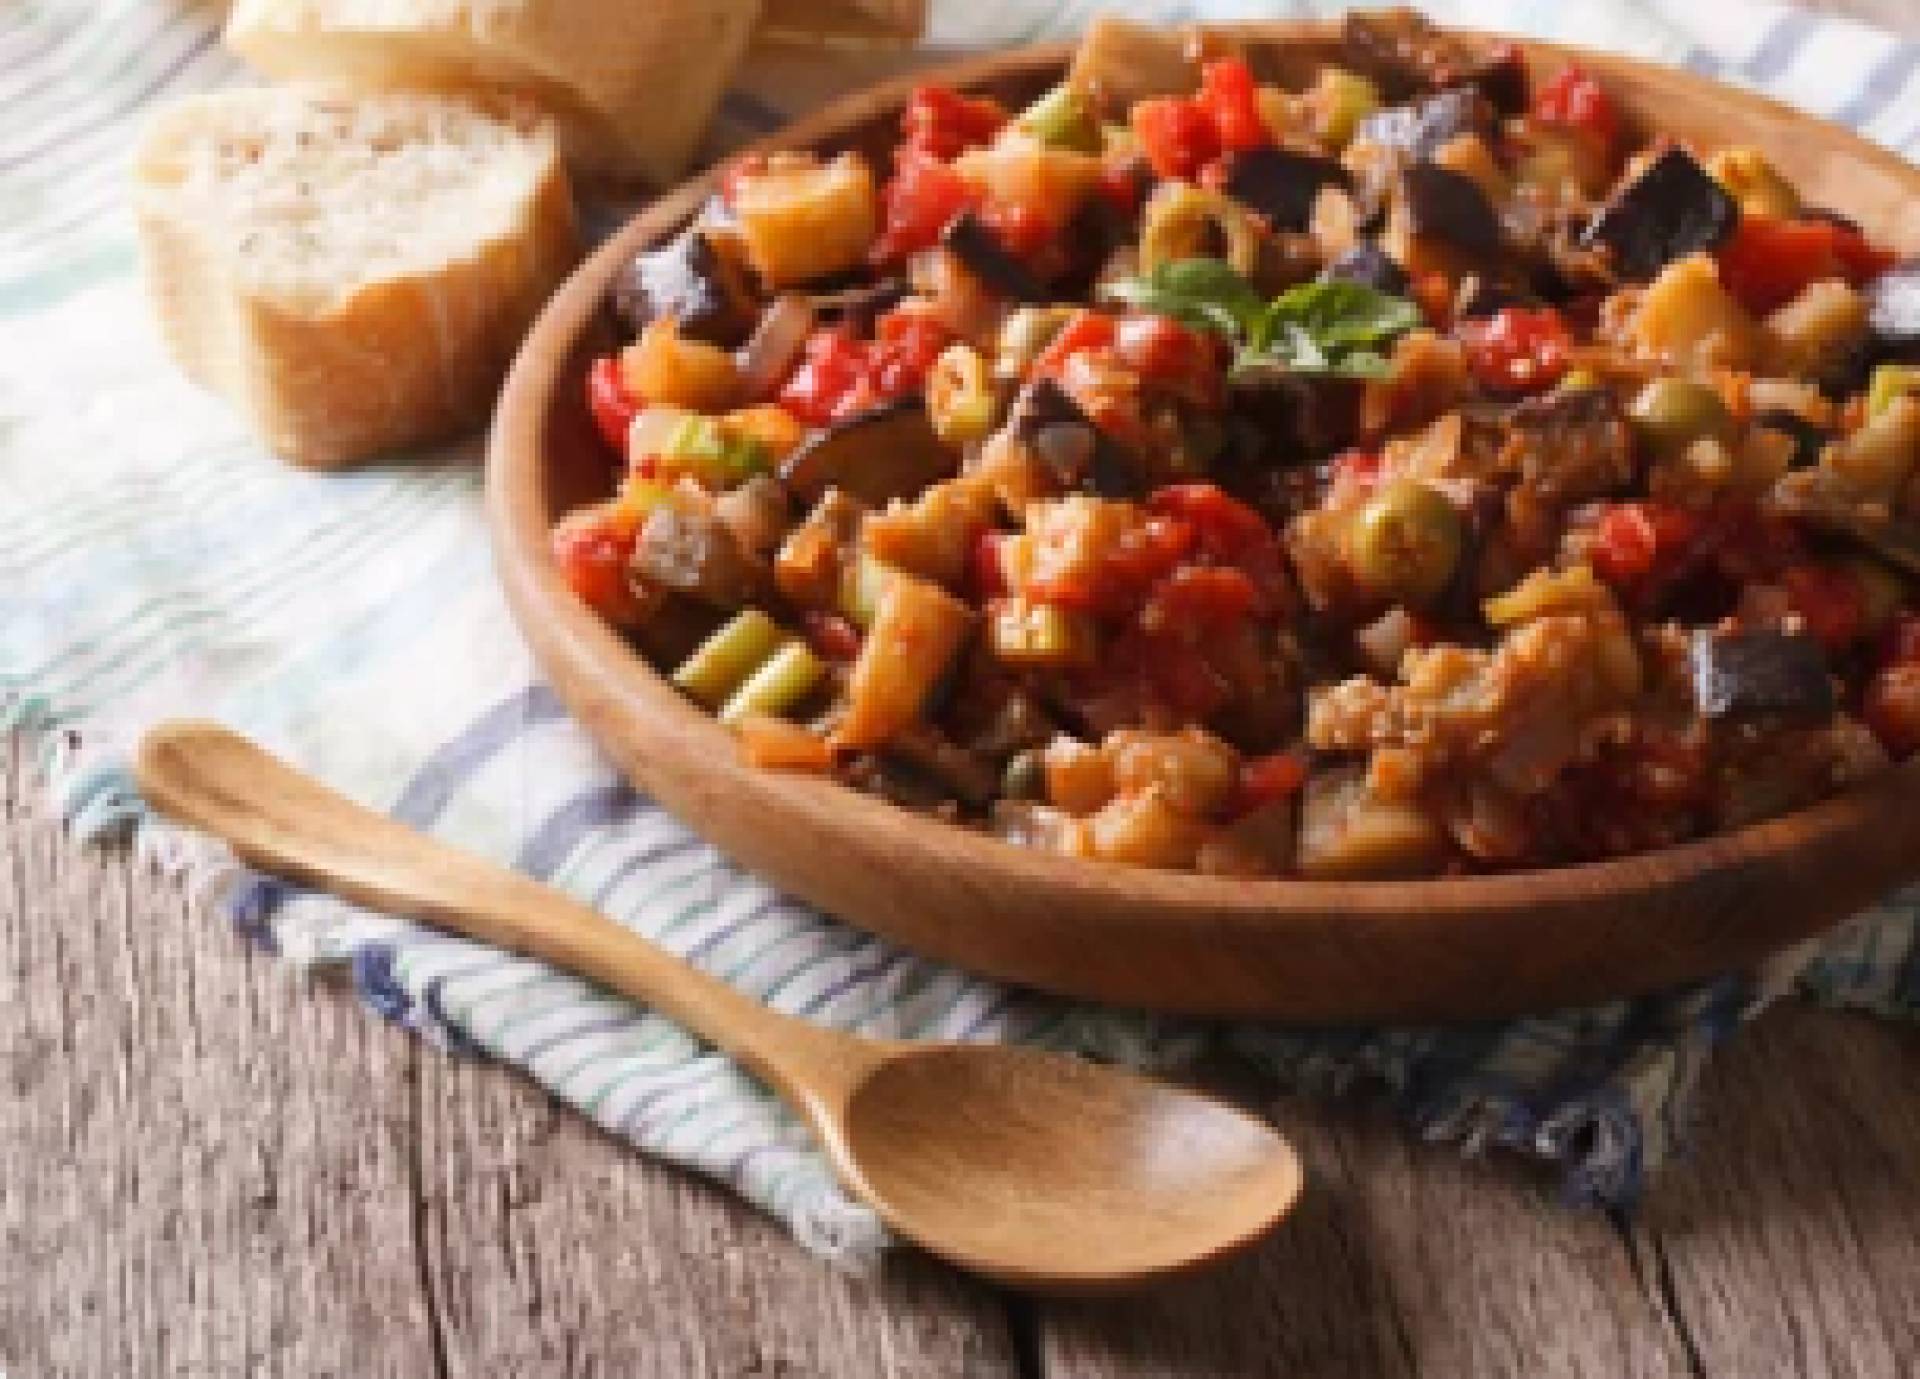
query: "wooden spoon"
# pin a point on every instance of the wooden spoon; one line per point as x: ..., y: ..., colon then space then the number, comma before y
x: 1032, y: 1168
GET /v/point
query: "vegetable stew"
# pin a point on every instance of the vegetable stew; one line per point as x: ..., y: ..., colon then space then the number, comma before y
x: 1415, y: 471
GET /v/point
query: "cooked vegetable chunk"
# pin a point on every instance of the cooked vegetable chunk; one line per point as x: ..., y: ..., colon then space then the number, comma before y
x: 1279, y: 184
x: 917, y: 631
x: 802, y: 222
x: 1448, y: 205
x: 1215, y: 467
x: 887, y: 453
x: 689, y: 282
x: 1737, y: 674
x: 981, y: 254
x: 1671, y: 209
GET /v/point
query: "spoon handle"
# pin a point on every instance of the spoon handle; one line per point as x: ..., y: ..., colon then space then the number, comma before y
x: 288, y: 823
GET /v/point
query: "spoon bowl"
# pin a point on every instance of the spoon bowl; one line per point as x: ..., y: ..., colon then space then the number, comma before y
x: 1031, y: 1168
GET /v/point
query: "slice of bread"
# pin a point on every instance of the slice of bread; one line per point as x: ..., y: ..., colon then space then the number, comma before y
x: 632, y: 82
x: 353, y: 273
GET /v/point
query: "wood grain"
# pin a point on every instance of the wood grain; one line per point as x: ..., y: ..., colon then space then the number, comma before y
x: 210, y: 1167
x: 1311, y: 951
x: 1404, y: 1260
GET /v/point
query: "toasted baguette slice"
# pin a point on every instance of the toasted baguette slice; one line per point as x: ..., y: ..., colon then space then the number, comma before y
x: 631, y: 82
x: 352, y: 273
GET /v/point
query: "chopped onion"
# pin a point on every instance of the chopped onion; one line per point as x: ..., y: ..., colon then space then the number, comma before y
x: 768, y: 355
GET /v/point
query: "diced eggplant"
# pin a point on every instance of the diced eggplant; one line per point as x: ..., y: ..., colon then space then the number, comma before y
x: 889, y: 452
x: 1079, y: 454
x: 1280, y: 184
x: 688, y: 280
x: 980, y: 252
x: 1419, y: 128
x: 1370, y: 266
x: 1404, y: 51
x: 1893, y: 311
x: 696, y: 554
x: 1760, y: 672
x: 1294, y: 417
x: 1808, y: 440
x: 1449, y: 206
x: 1672, y: 209
x: 857, y: 307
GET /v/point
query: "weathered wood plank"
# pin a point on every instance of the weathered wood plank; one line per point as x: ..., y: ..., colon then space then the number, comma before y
x: 557, y: 1252
x: 203, y: 1169
x: 1404, y: 1260
x: 211, y: 1168
x: 1789, y: 1241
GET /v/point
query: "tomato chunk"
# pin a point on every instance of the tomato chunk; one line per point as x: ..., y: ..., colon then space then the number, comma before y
x: 1177, y: 136
x: 1166, y: 353
x: 943, y: 124
x: 1635, y: 540
x: 917, y: 204
x: 1891, y: 707
x: 1767, y: 261
x: 613, y: 407
x: 1830, y: 600
x: 1229, y: 98
x: 1575, y: 99
x: 1267, y: 780
x: 593, y: 548
x: 1518, y: 349
x: 1229, y: 533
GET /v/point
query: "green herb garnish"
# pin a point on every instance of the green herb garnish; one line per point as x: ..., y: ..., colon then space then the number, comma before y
x: 1335, y: 329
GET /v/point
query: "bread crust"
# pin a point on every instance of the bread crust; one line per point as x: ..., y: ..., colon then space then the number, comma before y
x: 395, y: 362
x: 632, y: 86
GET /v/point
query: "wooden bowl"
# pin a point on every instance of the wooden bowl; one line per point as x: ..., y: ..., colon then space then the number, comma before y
x: 1294, y: 950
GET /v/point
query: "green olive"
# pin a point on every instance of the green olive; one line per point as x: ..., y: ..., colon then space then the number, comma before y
x: 1672, y: 413
x: 1405, y: 541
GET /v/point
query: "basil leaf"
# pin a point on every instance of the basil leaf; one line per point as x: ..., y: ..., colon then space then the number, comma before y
x: 1346, y: 313
x: 1204, y: 293
x: 1333, y: 328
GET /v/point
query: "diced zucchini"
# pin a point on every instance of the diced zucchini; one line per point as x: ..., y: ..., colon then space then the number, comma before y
x: 862, y: 585
x: 1064, y: 118
x: 652, y: 428
x: 960, y: 398
x: 727, y: 659
x: 1036, y: 636
x: 717, y: 455
x: 783, y: 680
x: 1891, y: 381
x: 1339, y: 100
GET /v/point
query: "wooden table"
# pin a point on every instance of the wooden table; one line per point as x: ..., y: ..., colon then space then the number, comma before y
x: 209, y: 1167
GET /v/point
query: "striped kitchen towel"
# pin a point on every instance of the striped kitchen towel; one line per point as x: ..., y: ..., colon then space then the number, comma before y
x: 153, y: 561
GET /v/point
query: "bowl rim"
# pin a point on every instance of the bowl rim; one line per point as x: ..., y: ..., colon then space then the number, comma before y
x: 564, y: 631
